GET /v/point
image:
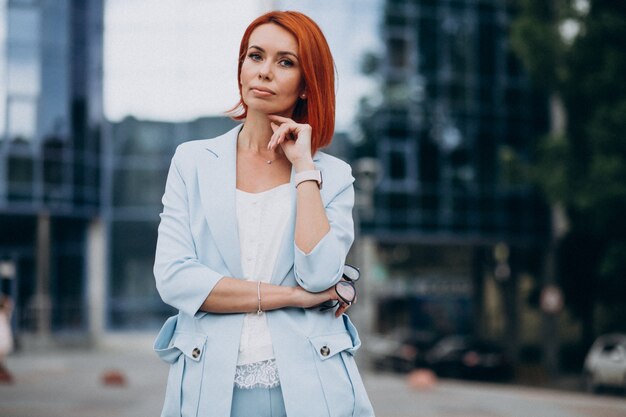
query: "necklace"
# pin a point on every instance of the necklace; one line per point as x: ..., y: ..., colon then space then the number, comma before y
x: 267, y: 161
x: 270, y: 161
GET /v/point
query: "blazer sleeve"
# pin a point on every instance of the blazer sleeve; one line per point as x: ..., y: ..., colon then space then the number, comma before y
x: 323, y: 266
x: 181, y: 280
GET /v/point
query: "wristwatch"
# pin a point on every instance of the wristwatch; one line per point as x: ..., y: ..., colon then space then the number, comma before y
x: 312, y: 175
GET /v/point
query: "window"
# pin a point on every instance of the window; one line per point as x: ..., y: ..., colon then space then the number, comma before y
x: 22, y: 119
x: 22, y: 66
x: 428, y: 44
x: 24, y: 24
x: 398, y: 53
x: 398, y: 159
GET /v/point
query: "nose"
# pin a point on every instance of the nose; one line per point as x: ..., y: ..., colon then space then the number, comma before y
x: 265, y: 71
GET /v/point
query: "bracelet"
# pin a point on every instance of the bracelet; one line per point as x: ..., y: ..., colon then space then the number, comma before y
x: 258, y: 294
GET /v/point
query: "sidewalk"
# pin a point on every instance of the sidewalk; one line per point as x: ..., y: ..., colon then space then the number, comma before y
x: 68, y: 383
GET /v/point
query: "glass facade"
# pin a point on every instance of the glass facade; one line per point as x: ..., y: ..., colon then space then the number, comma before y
x: 69, y: 179
x: 457, y: 123
x: 137, y: 165
x: 50, y: 95
x: 453, y: 132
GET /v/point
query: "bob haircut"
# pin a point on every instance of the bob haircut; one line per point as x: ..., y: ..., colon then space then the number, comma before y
x: 317, y: 65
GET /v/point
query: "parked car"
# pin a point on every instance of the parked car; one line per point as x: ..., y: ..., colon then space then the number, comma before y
x: 605, y: 364
x: 466, y: 357
x: 402, y: 351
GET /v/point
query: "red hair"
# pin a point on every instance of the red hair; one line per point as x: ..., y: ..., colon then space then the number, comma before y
x: 318, y: 76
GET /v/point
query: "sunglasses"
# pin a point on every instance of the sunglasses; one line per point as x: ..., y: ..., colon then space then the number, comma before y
x: 346, y: 291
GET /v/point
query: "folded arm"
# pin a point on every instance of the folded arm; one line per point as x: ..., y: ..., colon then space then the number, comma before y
x: 190, y: 286
x: 232, y: 295
x: 324, y: 234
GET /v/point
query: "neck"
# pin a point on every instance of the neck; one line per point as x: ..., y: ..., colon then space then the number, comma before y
x: 256, y: 133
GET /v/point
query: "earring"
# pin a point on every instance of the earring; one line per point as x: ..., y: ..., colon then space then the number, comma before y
x: 303, y: 96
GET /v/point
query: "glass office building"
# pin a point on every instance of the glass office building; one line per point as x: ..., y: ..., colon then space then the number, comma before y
x: 137, y: 165
x: 458, y: 110
x: 455, y: 122
x: 50, y: 118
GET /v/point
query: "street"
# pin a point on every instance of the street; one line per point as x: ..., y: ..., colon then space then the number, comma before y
x: 69, y: 384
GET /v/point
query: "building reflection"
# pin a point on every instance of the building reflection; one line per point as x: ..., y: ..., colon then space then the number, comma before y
x: 458, y: 227
x: 50, y: 120
x: 138, y: 163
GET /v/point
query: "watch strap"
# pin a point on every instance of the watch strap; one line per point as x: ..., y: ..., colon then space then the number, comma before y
x: 311, y: 175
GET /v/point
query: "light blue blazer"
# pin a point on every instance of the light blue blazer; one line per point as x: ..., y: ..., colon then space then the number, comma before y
x: 198, y: 245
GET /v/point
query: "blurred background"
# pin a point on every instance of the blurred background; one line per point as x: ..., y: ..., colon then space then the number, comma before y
x: 486, y: 138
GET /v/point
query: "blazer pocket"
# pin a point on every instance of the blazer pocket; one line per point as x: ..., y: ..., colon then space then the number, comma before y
x: 328, y: 345
x: 335, y: 379
x: 186, y: 374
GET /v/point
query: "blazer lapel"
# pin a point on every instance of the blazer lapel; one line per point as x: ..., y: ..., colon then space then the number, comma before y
x: 217, y: 179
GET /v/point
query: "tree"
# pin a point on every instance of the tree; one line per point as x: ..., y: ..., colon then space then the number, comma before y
x: 575, y: 50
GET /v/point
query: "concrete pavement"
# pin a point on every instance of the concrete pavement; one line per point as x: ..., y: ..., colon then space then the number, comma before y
x: 68, y: 383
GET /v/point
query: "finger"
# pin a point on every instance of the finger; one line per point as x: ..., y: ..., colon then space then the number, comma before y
x: 287, y: 133
x: 274, y: 128
x: 273, y: 140
x: 291, y: 131
x: 283, y: 122
x: 277, y: 137
x: 342, y: 309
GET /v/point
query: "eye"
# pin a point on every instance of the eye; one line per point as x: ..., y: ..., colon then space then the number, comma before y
x: 287, y: 63
x: 255, y: 56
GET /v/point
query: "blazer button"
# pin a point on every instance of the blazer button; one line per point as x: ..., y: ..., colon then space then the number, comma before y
x: 324, y: 350
x: 195, y: 353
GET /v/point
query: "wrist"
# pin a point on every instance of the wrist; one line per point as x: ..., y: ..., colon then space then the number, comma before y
x: 303, y: 164
x: 296, y: 297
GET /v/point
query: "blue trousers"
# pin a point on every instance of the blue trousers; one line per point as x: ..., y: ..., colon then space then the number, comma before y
x: 258, y: 402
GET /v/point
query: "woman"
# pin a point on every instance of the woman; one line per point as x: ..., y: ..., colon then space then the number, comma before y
x: 250, y: 242
x: 6, y: 337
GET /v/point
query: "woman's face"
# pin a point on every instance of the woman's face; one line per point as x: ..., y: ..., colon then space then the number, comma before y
x: 271, y: 78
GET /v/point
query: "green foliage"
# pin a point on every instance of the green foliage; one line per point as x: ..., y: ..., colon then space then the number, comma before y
x: 607, y: 168
x: 585, y: 169
x: 538, y: 46
x: 550, y: 169
x: 536, y: 39
x: 514, y: 169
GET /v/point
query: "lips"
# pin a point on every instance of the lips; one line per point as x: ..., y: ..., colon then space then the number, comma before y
x: 262, y: 91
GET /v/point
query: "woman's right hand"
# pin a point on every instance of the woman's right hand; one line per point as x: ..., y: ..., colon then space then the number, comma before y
x: 306, y: 299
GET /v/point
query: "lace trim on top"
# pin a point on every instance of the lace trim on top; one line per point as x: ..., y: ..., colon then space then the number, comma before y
x: 262, y: 374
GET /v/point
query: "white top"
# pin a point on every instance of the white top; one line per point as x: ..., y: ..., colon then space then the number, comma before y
x: 262, y: 220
